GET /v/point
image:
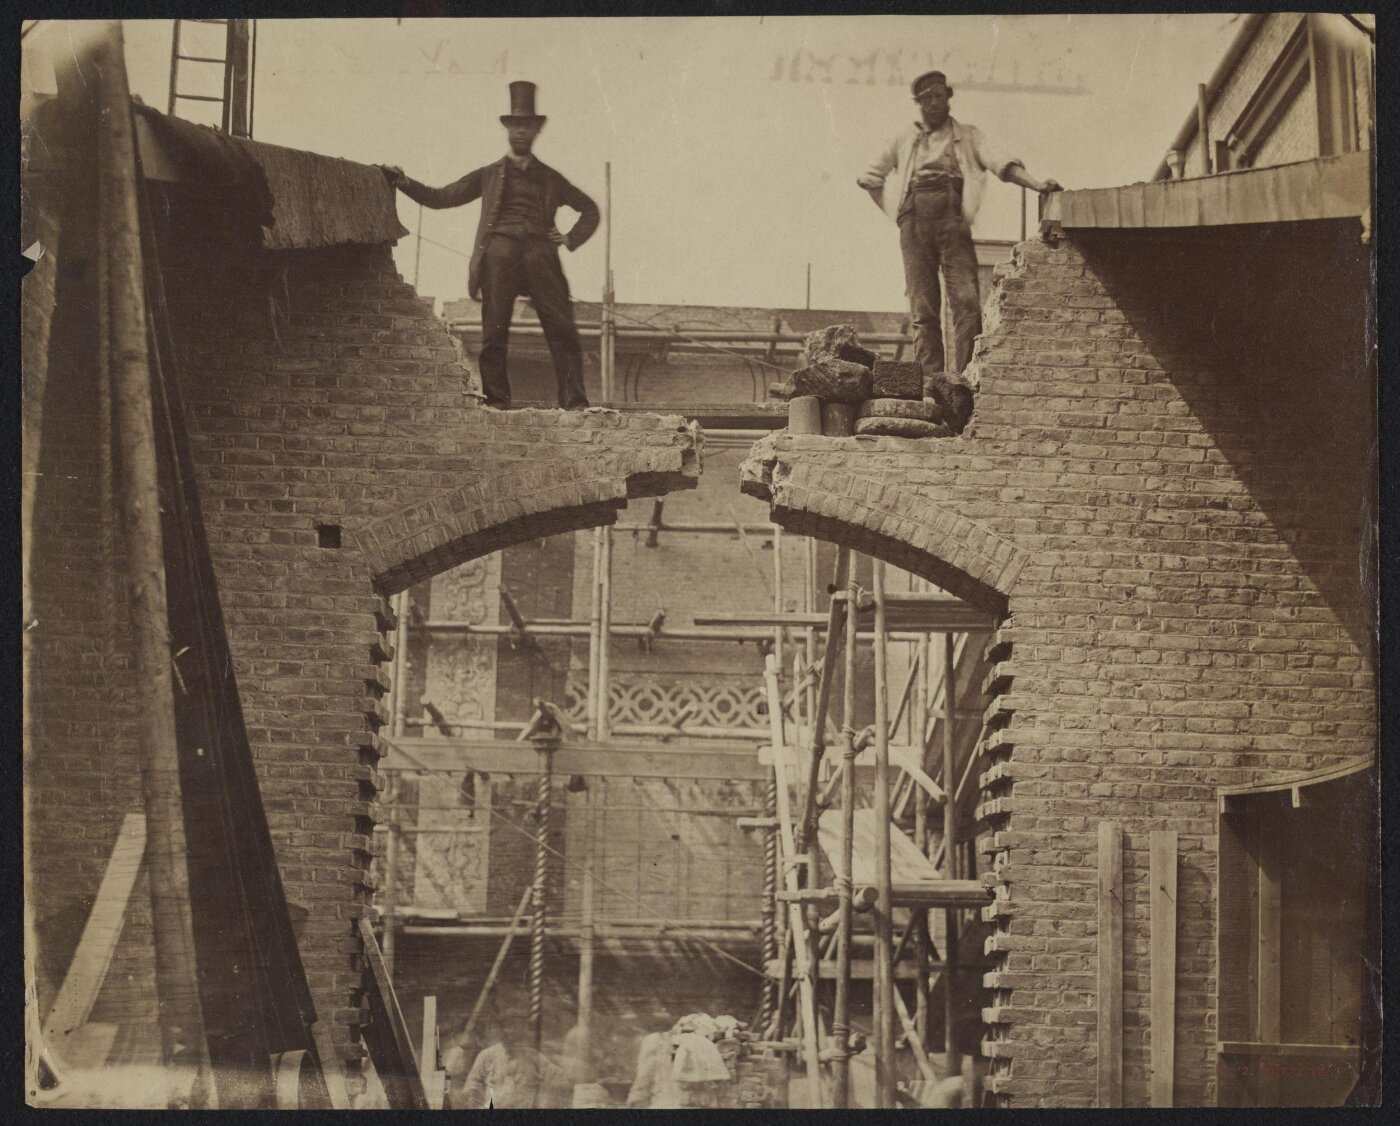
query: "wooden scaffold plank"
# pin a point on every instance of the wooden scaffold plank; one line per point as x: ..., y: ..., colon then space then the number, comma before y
x: 1162, y: 874
x: 1110, y: 1019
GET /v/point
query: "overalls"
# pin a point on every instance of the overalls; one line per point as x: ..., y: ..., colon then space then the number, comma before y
x: 933, y: 233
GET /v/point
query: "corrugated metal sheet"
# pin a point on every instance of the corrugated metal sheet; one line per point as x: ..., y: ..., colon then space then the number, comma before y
x: 300, y: 199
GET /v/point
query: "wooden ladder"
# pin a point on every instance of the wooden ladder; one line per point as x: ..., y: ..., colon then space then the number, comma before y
x: 235, y: 102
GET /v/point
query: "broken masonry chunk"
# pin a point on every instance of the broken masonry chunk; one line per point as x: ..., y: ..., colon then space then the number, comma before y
x: 837, y: 342
x: 952, y: 395
x: 829, y: 380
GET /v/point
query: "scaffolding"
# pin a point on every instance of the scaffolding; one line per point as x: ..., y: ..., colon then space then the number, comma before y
x: 895, y: 866
x: 875, y: 868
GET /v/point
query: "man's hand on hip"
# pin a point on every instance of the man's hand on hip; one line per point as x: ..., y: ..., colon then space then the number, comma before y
x: 870, y: 183
x: 557, y: 237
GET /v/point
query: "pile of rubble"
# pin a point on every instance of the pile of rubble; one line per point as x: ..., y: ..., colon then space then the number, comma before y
x: 846, y: 389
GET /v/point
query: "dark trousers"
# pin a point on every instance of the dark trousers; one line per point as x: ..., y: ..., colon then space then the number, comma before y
x: 932, y: 233
x: 511, y: 266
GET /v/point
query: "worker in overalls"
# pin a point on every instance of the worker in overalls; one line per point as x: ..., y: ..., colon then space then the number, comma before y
x: 929, y: 180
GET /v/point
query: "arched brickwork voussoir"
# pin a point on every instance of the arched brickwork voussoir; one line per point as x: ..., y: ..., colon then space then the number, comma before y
x: 882, y: 518
x: 528, y: 501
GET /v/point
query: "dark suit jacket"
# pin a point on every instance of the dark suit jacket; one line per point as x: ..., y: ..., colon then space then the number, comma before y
x: 485, y: 184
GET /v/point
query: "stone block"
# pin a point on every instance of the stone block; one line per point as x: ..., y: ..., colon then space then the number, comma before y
x: 902, y: 428
x: 897, y: 379
x: 837, y: 342
x: 925, y: 410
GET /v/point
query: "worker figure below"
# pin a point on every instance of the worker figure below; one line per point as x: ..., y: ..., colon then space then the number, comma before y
x: 517, y: 249
x: 506, y: 1076
x: 929, y: 180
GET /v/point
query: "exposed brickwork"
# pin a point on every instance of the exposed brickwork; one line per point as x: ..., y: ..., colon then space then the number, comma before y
x: 326, y: 405
x: 344, y: 408
x: 1167, y: 486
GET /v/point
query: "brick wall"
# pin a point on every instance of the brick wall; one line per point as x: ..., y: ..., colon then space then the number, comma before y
x: 324, y: 394
x: 1167, y: 489
x: 338, y: 460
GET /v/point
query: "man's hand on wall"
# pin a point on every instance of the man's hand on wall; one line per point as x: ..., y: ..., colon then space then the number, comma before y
x: 393, y: 174
x: 1047, y: 186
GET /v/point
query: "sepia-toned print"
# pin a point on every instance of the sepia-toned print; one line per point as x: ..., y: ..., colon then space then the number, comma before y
x: 743, y: 563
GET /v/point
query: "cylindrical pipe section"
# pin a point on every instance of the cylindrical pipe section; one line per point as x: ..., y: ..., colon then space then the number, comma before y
x: 838, y: 419
x: 804, y: 415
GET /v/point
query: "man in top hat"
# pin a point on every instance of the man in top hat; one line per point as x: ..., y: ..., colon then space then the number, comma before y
x: 517, y: 249
x: 929, y: 180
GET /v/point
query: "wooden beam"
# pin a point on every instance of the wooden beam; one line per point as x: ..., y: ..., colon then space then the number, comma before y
x: 586, y: 757
x: 1110, y: 957
x: 787, y: 844
x: 386, y: 1036
x: 1333, y: 187
x: 905, y: 613
x: 90, y: 961
x: 1270, y: 953
x: 1162, y: 876
x: 428, y: 1053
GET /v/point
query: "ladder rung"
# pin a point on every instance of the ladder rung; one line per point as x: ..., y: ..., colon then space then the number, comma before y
x: 198, y: 98
x: 201, y: 59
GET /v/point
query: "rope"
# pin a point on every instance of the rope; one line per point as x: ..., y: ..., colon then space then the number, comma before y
x: 770, y: 910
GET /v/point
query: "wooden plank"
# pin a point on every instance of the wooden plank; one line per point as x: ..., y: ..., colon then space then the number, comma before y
x: 591, y: 759
x: 1318, y: 1051
x: 909, y: 867
x: 387, y: 1036
x: 788, y: 848
x: 93, y: 955
x: 428, y: 1053
x: 332, y: 1068
x: 1162, y: 875
x: 1270, y: 958
x: 1110, y: 958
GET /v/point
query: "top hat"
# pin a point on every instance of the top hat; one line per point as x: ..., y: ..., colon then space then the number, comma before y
x: 522, y: 104
x: 931, y: 78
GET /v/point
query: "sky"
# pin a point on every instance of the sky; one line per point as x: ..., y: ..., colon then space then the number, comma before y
x: 734, y: 142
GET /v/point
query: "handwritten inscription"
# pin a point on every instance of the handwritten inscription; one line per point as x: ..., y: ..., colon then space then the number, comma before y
x: 441, y: 59
x: 900, y: 66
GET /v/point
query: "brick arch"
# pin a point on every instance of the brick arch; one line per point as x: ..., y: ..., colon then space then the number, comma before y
x: 530, y: 500
x: 891, y: 522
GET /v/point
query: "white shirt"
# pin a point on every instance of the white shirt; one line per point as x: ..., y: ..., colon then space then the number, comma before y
x: 894, y: 167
